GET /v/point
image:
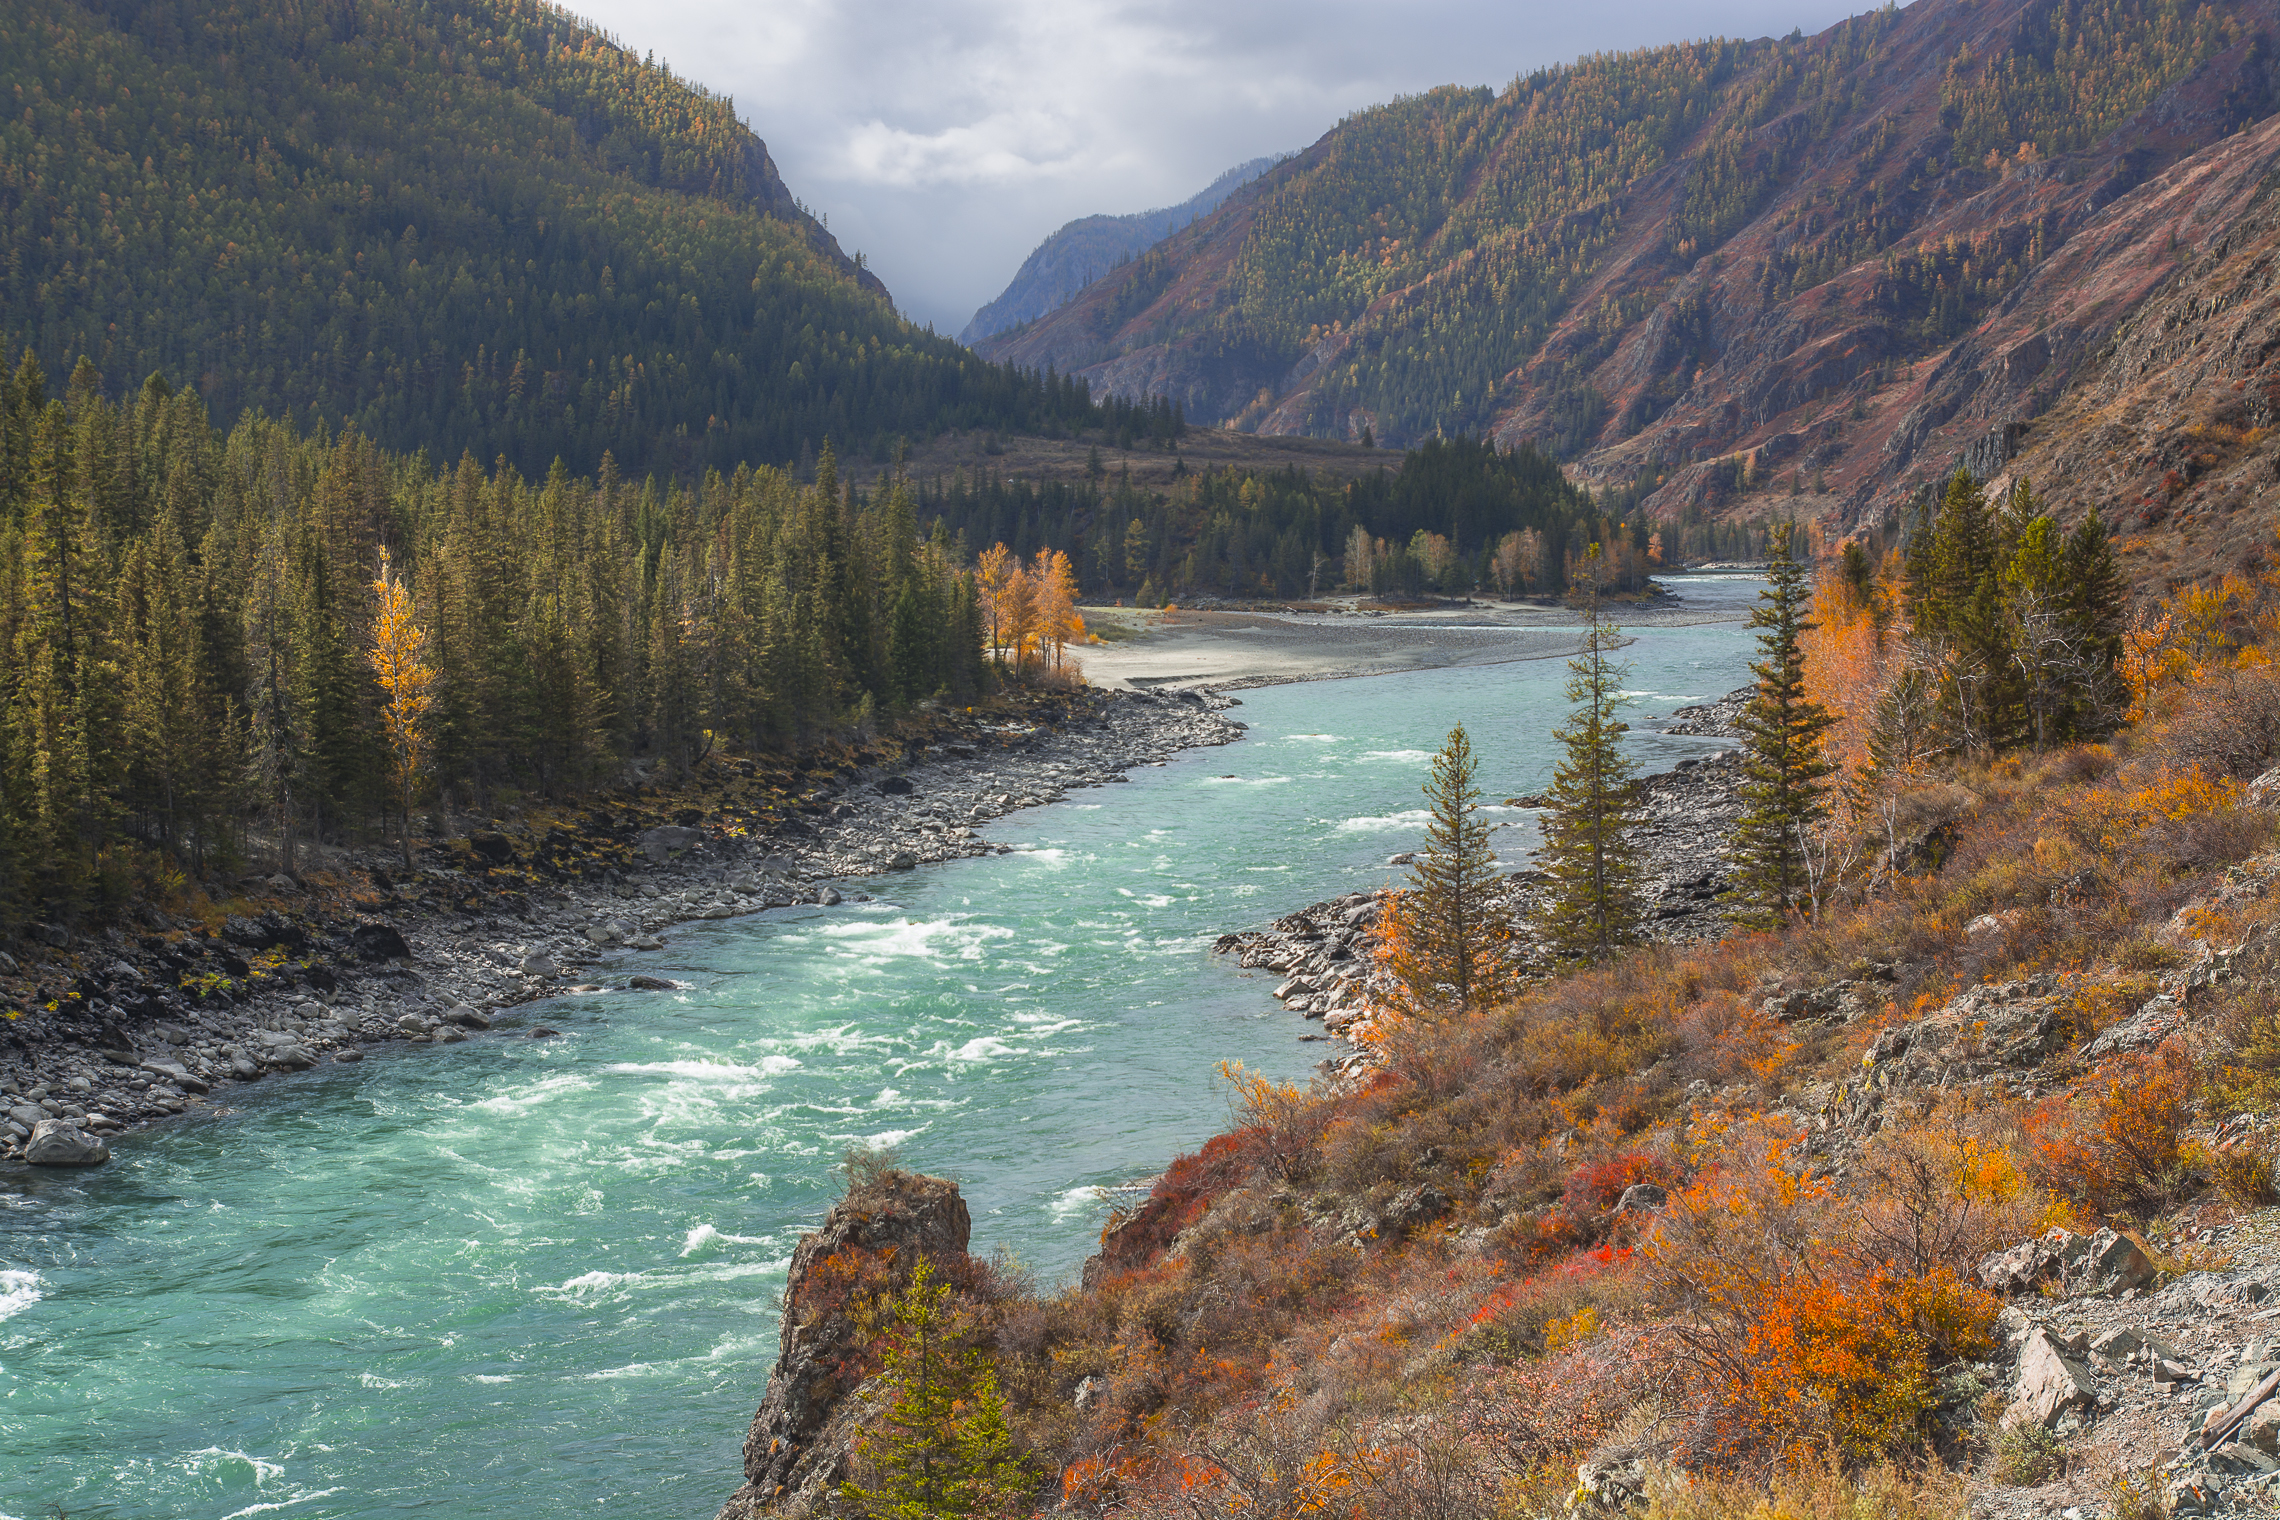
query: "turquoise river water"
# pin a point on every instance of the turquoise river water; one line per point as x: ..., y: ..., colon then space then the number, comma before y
x: 539, y: 1278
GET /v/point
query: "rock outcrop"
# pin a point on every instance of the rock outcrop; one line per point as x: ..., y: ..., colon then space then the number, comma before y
x: 796, y: 1451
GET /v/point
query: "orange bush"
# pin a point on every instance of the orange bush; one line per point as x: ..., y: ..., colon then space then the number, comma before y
x: 2118, y: 1142
x: 1850, y: 1362
x: 1802, y: 1329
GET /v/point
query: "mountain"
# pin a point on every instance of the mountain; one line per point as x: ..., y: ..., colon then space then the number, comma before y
x: 1085, y: 249
x: 1703, y: 271
x: 462, y: 225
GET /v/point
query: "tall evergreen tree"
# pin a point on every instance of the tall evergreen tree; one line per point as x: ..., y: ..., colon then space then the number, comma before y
x: 1785, y: 773
x: 1590, y: 851
x: 1446, y: 938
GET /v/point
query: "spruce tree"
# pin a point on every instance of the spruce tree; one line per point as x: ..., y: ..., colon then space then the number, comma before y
x: 1785, y: 774
x: 941, y: 1447
x: 1446, y: 938
x: 1590, y: 848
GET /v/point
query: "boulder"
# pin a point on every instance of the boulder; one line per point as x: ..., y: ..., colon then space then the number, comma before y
x: 1642, y: 1198
x: 667, y: 840
x: 649, y: 984
x: 2112, y: 1264
x: 896, y: 786
x: 379, y: 942
x: 796, y: 1451
x: 605, y: 935
x: 538, y: 964
x: 468, y: 1016
x: 2103, y: 1263
x: 2049, y: 1383
x: 494, y: 849
x: 56, y: 1142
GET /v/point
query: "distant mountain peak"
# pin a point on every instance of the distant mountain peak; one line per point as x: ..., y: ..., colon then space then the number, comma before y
x: 1089, y: 247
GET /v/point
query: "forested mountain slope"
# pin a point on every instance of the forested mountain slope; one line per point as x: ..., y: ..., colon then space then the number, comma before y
x: 1663, y: 263
x: 476, y: 225
x: 1085, y: 249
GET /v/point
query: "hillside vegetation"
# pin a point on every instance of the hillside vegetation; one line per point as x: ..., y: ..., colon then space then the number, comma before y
x: 1706, y: 1230
x: 478, y: 227
x: 205, y: 636
x: 1708, y: 270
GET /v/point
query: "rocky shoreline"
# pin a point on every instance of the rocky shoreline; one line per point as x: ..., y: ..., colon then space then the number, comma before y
x: 113, y: 1030
x: 1326, y: 952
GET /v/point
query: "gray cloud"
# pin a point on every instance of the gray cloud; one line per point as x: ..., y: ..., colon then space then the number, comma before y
x: 944, y: 140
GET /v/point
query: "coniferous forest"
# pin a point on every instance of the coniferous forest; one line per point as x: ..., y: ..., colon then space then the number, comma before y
x: 475, y: 228
x: 193, y: 637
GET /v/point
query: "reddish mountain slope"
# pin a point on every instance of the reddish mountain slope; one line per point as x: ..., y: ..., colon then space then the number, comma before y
x: 1843, y: 260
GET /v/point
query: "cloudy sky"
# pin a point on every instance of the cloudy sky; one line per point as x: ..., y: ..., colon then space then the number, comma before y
x: 945, y: 138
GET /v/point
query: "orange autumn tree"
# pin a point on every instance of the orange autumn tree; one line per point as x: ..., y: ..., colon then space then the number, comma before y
x: 1054, y: 594
x: 1846, y: 662
x: 407, y: 683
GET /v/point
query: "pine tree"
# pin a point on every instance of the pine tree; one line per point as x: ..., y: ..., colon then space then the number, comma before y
x: 1785, y: 774
x: 1446, y: 938
x: 942, y: 1446
x: 1590, y: 848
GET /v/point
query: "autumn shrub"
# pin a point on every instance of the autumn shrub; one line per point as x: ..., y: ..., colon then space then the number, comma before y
x: 1598, y: 1183
x: 1812, y: 1490
x: 2244, y: 1173
x: 2116, y: 1144
x: 2026, y: 1456
x: 2245, y: 1074
x: 1803, y: 1331
x: 2226, y: 725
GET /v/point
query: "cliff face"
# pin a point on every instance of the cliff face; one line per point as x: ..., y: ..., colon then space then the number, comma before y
x: 796, y: 1451
x: 1846, y: 259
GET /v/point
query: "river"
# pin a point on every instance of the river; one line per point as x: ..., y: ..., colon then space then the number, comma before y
x: 517, y: 1278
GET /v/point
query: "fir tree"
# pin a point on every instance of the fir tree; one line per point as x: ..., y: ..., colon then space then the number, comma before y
x: 1785, y: 774
x: 1446, y: 938
x: 942, y: 1446
x: 1590, y: 849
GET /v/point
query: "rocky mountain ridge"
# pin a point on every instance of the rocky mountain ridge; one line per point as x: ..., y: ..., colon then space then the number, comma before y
x: 1084, y: 250
x: 1872, y: 302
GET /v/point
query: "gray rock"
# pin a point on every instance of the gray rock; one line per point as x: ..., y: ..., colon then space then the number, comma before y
x: 605, y: 935
x: 663, y: 843
x: 290, y: 1057
x: 449, y: 1036
x: 348, y: 1057
x: 539, y: 965
x: 827, y: 897
x: 467, y: 1016
x: 57, y: 1143
x: 27, y: 1115
x: 1642, y: 1198
x: 903, y: 860
x: 2113, y: 1263
x: 2049, y: 1383
x: 181, y: 1076
x: 2118, y: 1342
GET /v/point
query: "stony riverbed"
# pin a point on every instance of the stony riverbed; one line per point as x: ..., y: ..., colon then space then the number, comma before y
x: 139, y: 1027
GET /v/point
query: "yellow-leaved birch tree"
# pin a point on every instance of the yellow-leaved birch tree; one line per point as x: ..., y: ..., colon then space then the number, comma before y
x: 407, y: 682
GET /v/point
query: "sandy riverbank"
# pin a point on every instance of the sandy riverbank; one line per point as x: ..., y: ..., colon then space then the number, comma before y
x: 1229, y: 650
